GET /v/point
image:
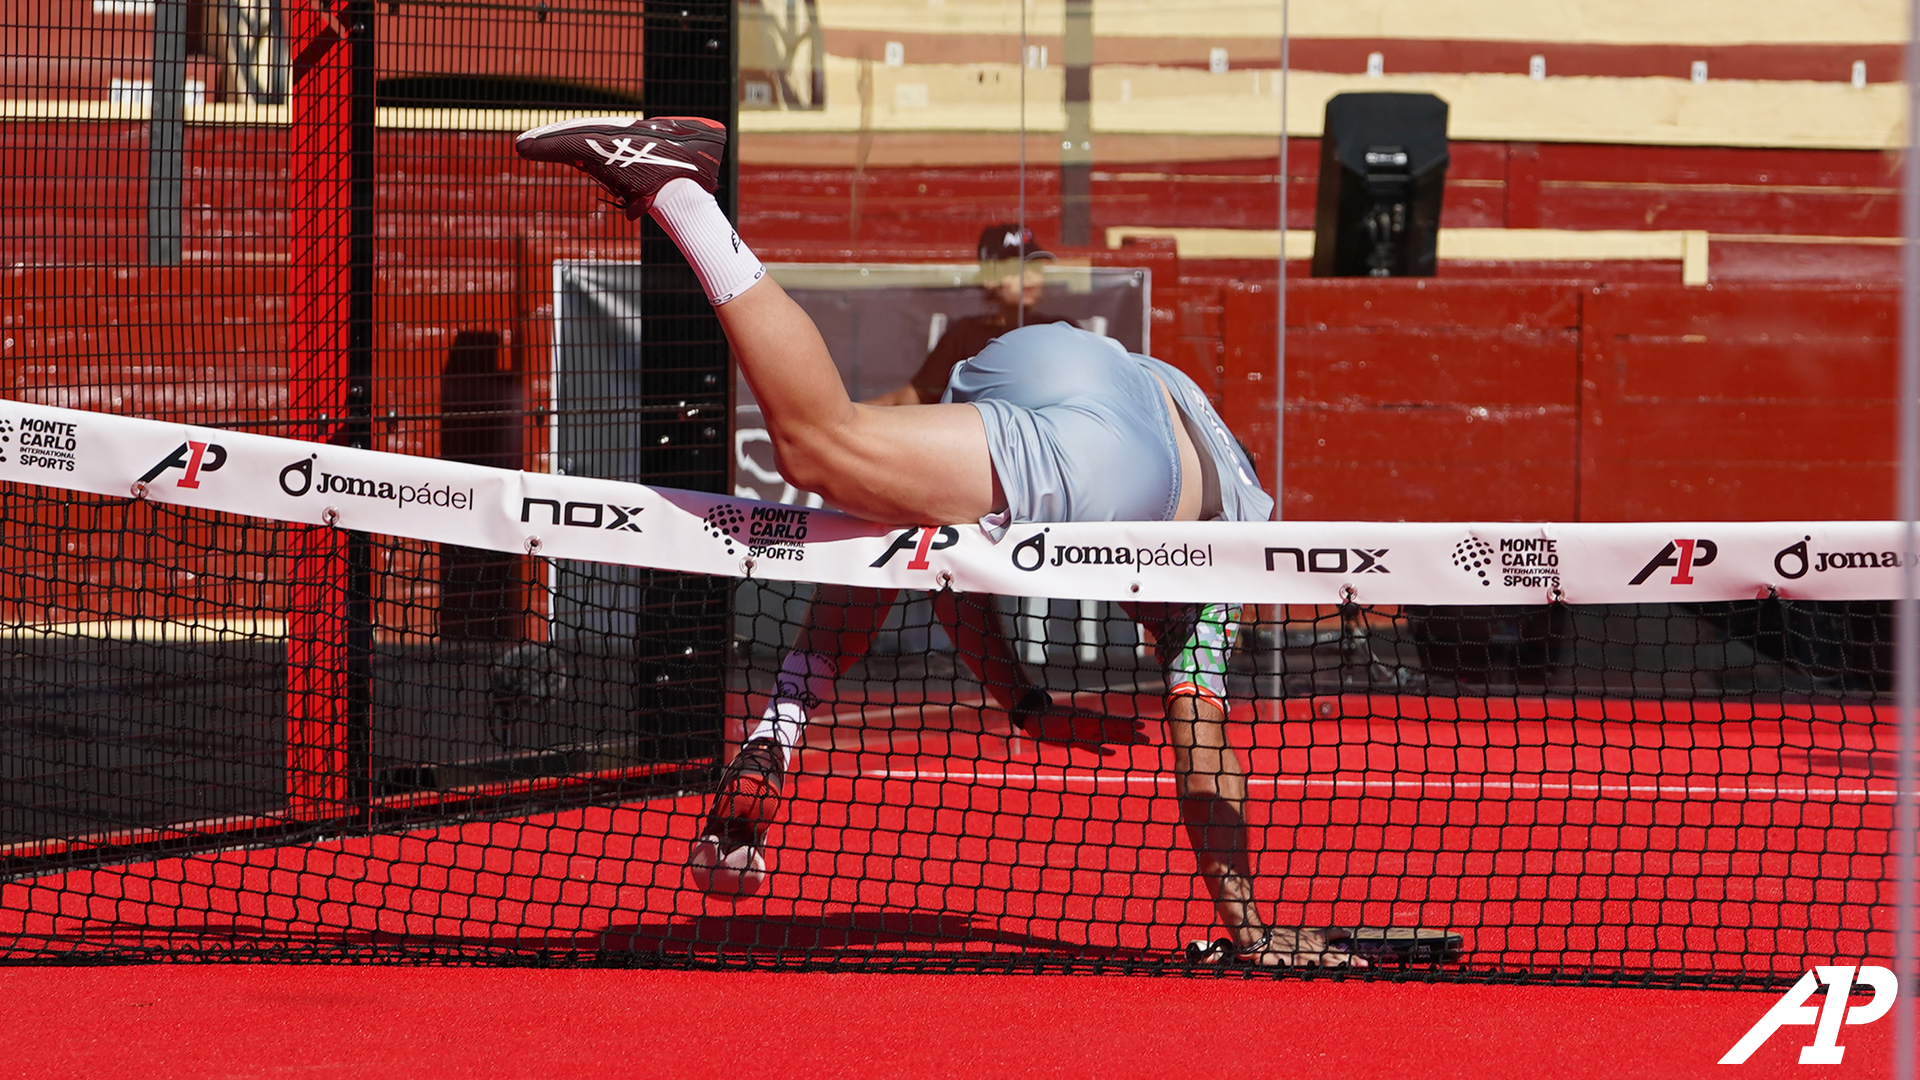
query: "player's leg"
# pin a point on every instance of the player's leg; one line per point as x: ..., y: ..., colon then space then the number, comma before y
x: 924, y: 464
x: 836, y: 632
x: 984, y: 646
x: 915, y: 464
x: 1194, y: 644
x: 1212, y: 789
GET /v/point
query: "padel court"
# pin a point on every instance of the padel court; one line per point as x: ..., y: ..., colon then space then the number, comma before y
x: 1672, y: 843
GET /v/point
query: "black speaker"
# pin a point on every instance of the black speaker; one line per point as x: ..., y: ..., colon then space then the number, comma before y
x: 1383, y: 161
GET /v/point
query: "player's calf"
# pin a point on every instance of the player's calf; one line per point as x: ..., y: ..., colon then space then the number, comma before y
x: 729, y: 859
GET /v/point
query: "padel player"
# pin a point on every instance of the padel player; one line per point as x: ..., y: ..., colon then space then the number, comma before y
x: 1047, y: 423
x: 843, y: 619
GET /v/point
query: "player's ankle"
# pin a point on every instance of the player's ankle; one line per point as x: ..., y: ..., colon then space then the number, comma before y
x: 784, y: 723
x: 726, y: 267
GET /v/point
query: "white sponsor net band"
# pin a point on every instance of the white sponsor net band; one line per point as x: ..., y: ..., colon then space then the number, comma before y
x: 565, y: 517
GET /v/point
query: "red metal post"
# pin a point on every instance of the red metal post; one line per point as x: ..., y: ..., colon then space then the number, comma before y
x: 319, y: 218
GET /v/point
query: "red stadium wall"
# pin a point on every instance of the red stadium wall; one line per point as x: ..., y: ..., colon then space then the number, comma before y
x: 1481, y: 400
x: 1806, y: 198
x: 1594, y: 392
x: 1419, y: 400
x: 1434, y: 401
x: 1749, y: 402
x: 1775, y: 214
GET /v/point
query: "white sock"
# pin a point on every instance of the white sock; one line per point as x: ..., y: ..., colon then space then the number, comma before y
x: 806, y: 679
x: 726, y: 266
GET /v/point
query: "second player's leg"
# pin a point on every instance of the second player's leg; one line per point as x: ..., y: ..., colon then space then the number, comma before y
x: 1212, y: 788
x: 834, y: 634
x: 982, y: 645
x: 841, y: 622
x: 1193, y: 645
x: 728, y: 857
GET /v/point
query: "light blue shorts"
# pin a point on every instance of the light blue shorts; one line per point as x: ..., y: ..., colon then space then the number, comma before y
x: 1079, y: 430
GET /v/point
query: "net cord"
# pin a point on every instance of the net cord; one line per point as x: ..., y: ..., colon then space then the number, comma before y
x: 1907, y: 661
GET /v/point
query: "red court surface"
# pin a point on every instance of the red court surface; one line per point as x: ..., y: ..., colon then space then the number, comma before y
x: 1551, y: 833
x: 349, y: 1022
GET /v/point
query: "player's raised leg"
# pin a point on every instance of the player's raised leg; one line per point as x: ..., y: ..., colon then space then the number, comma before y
x: 924, y: 464
x: 917, y: 464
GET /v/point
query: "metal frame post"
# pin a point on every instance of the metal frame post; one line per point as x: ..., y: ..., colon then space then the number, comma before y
x: 330, y: 287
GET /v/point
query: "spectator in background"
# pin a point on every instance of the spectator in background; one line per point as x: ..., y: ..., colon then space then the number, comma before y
x: 1010, y: 277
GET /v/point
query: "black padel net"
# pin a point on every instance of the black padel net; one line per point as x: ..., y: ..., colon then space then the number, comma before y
x: 1619, y: 792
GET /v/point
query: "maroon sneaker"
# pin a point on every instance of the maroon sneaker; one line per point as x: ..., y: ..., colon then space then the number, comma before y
x: 630, y: 157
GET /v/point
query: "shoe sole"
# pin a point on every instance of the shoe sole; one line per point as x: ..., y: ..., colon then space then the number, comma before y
x: 1409, y: 944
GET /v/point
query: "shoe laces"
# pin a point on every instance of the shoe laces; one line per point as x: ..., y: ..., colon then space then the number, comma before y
x: 622, y: 205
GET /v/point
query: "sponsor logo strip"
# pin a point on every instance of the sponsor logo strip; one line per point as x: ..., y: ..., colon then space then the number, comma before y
x: 571, y: 517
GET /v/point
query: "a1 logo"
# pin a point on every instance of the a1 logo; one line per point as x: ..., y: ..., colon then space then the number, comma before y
x: 193, y: 457
x: 1792, y: 1009
x: 920, y: 540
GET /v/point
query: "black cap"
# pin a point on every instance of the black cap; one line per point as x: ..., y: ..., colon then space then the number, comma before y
x: 999, y: 243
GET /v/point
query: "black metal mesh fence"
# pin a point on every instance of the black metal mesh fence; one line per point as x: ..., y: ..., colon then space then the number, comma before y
x: 308, y: 220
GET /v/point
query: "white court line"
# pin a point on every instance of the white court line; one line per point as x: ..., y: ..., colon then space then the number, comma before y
x: 1439, y: 788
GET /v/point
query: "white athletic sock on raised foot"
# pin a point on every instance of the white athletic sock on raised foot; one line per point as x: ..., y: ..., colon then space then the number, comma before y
x: 806, y: 679
x: 726, y: 266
